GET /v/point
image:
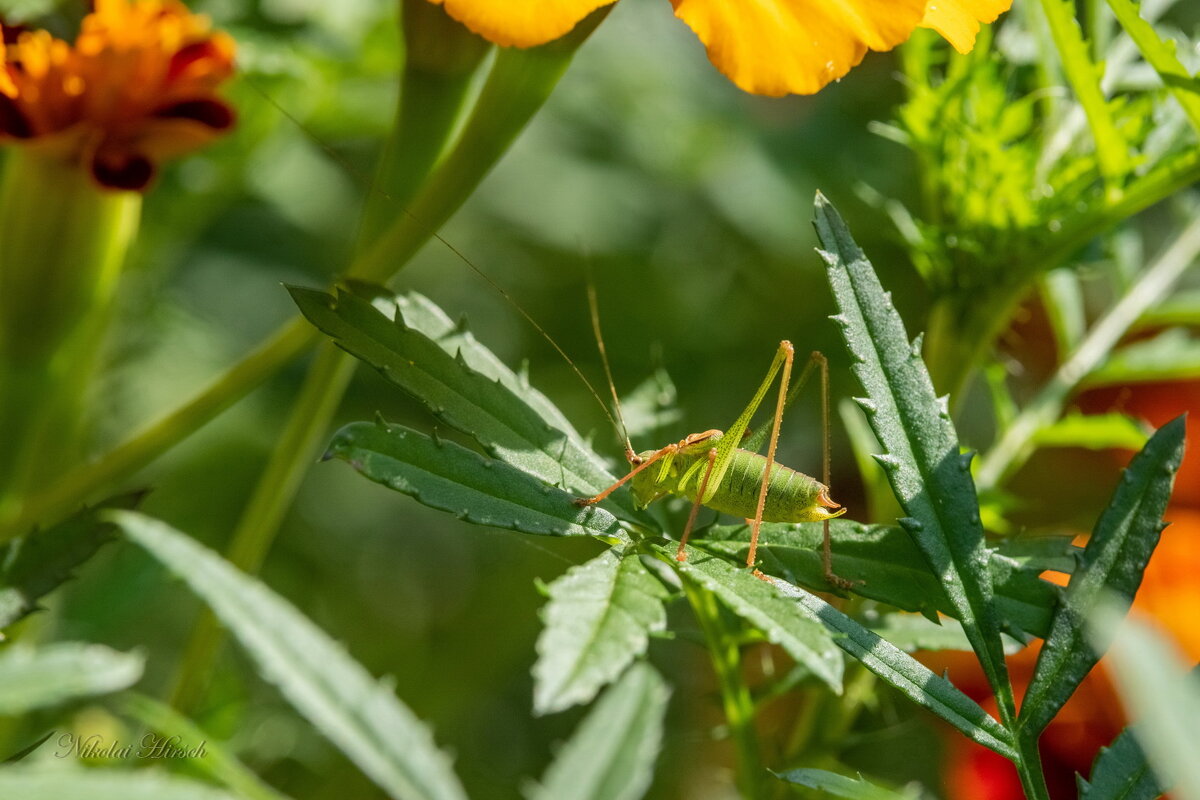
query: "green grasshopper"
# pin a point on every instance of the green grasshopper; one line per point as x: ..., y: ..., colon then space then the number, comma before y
x: 712, y: 470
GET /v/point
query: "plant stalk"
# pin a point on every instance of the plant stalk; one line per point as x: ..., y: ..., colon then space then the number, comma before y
x: 735, y: 694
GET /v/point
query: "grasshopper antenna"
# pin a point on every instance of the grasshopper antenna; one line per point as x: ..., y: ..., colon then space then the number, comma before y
x: 594, y: 309
x: 373, y: 187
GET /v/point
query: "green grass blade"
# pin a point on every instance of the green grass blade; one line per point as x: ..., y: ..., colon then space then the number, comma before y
x: 898, y: 669
x: 611, y: 755
x: 34, y: 565
x: 477, y: 489
x: 360, y: 715
x: 929, y: 477
x: 477, y: 403
x: 1120, y: 772
x: 758, y: 603
x: 831, y: 784
x: 45, y: 783
x: 1161, y: 55
x: 1112, y: 565
x: 599, y: 618
x: 889, y: 566
x: 1158, y: 691
x: 33, y: 678
x: 218, y: 763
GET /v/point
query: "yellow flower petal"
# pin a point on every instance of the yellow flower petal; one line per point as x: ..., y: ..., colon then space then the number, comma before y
x: 520, y: 23
x: 958, y: 20
x: 777, y: 47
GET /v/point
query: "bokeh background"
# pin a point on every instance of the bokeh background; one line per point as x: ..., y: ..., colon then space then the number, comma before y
x: 686, y: 201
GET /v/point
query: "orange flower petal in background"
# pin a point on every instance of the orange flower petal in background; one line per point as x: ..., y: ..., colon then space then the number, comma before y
x: 137, y: 87
x: 958, y: 20
x: 771, y: 47
x: 520, y: 23
x: 777, y: 47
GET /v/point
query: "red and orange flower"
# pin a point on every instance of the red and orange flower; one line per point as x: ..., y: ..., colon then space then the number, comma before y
x: 137, y: 87
x: 771, y: 47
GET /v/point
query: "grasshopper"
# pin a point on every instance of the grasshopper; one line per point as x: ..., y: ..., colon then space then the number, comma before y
x: 711, y: 469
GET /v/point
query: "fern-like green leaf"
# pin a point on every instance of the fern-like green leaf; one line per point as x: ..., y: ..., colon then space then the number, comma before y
x: 929, y: 476
x: 1120, y: 772
x: 611, y: 756
x: 758, y: 603
x: 599, y: 618
x: 33, y: 565
x: 476, y: 488
x: 901, y: 671
x: 479, y: 404
x: 360, y: 715
x: 887, y: 566
x: 1112, y: 565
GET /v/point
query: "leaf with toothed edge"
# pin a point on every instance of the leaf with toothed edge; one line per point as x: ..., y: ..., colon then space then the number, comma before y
x: 1111, y: 566
x: 928, y: 475
x: 757, y: 602
x: 611, y: 755
x: 598, y: 619
x: 890, y: 663
x: 33, y: 565
x: 887, y: 566
x: 477, y: 489
x: 482, y: 404
x: 360, y: 715
x: 1120, y: 772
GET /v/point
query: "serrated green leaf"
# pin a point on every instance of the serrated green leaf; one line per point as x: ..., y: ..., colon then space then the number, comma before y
x: 360, y: 715
x: 835, y: 785
x: 898, y: 669
x: 929, y: 476
x: 1093, y: 431
x: 427, y: 317
x: 888, y: 567
x: 218, y: 763
x: 1160, y: 55
x: 598, y: 619
x: 1171, y: 355
x: 477, y: 489
x: 33, y: 565
x: 611, y: 756
x: 44, y: 676
x: 46, y: 783
x: 758, y: 602
x: 480, y: 405
x: 1159, y: 691
x: 1120, y: 772
x: 1112, y: 565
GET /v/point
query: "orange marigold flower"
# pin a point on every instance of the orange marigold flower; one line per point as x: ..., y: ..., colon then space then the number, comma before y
x: 771, y: 47
x: 137, y: 87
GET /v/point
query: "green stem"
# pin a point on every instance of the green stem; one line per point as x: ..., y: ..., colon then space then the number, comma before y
x: 735, y: 694
x: 63, y: 241
x: 318, y: 401
x: 74, y: 488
